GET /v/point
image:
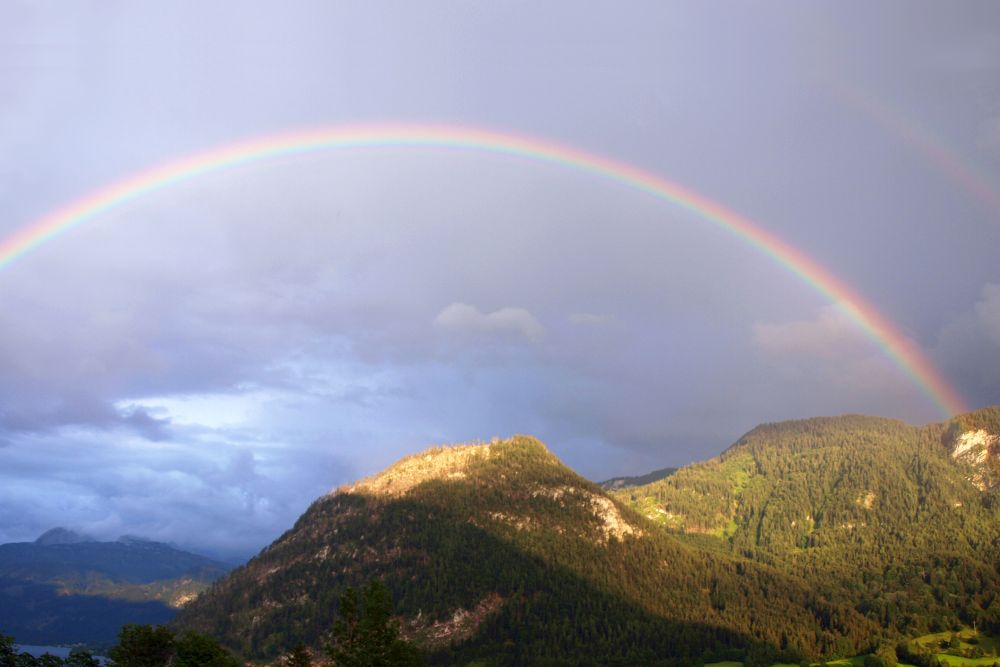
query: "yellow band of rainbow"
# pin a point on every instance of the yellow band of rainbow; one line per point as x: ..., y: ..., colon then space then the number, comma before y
x: 902, y: 351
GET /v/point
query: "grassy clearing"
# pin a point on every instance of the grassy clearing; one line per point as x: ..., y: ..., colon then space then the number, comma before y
x: 840, y: 662
x: 969, y: 639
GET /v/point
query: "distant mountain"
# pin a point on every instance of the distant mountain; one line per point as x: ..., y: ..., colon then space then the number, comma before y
x: 498, y: 552
x: 900, y: 522
x: 66, y: 588
x: 62, y: 536
x: 628, y: 482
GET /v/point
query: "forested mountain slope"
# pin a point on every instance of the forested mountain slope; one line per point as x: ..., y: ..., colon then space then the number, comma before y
x: 498, y: 551
x: 900, y: 522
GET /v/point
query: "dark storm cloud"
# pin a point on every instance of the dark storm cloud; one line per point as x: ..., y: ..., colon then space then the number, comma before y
x: 80, y: 411
x: 970, y: 346
x: 227, y: 349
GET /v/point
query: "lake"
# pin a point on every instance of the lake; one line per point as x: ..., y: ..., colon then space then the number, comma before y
x: 60, y: 651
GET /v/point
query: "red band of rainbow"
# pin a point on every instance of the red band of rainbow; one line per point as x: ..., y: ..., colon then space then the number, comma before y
x: 901, y: 350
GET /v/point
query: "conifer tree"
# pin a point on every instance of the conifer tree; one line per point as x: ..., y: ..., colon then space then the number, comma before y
x: 365, y: 634
x: 143, y: 646
x: 7, y: 653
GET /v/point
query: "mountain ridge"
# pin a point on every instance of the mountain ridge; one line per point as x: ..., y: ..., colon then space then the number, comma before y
x: 60, y: 535
x: 521, y: 543
x: 880, y: 513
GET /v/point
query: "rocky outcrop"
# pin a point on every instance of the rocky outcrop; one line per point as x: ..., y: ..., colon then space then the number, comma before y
x: 979, y: 449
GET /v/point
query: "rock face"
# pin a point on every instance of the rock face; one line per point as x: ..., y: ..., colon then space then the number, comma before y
x: 979, y: 449
x: 485, y: 546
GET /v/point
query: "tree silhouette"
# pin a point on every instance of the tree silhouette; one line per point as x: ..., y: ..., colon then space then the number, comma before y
x: 143, y: 646
x: 7, y: 653
x: 365, y: 634
x: 79, y: 657
x: 195, y: 650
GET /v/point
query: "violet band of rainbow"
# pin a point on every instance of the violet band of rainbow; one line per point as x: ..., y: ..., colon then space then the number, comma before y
x: 903, y: 352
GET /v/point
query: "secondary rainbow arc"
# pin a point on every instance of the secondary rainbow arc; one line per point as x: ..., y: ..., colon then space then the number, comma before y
x: 901, y: 350
x: 935, y: 150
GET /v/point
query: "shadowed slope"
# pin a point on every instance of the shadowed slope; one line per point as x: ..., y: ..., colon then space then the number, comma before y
x: 503, y: 551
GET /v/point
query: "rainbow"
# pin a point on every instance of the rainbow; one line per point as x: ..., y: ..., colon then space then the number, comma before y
x: 935, y: 151
x: 901, y: 350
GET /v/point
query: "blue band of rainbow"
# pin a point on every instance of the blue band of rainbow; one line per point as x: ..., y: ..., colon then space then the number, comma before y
x: 901, y: 350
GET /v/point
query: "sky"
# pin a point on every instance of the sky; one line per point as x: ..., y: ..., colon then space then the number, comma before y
x: 199, y: 364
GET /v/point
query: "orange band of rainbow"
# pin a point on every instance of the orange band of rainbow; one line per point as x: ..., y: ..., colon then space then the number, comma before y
x: 903, y: 352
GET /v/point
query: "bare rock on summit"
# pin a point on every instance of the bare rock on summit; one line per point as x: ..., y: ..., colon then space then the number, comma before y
x: 436, y: 463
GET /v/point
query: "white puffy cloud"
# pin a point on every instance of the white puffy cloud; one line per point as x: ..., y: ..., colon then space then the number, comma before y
x: 828, y: 335
x: 466, y: 318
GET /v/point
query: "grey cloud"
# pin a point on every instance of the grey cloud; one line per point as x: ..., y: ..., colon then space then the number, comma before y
x: 142, y: 422
x: 988, y: 312
x: 839, y: 364
x: 969, y: 348
x: 208, y: 493
x: 588, y: 319
x: 990, y: 135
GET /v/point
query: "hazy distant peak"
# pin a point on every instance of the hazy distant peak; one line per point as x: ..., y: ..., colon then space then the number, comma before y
x: 62, y: 536
x: 639, y: 480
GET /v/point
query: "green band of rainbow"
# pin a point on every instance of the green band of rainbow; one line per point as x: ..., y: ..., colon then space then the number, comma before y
x: 903, y: 352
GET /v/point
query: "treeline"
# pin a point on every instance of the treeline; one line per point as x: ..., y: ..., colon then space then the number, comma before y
x: 365, y: 634
x: 138, y: 646
x: 10, y: 657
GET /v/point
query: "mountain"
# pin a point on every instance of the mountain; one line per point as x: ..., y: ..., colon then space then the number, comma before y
x: 499, y: 552
x: 62, y: 536
x: 900, y: 522
x: 66, y: 588
x: 629, y: 482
